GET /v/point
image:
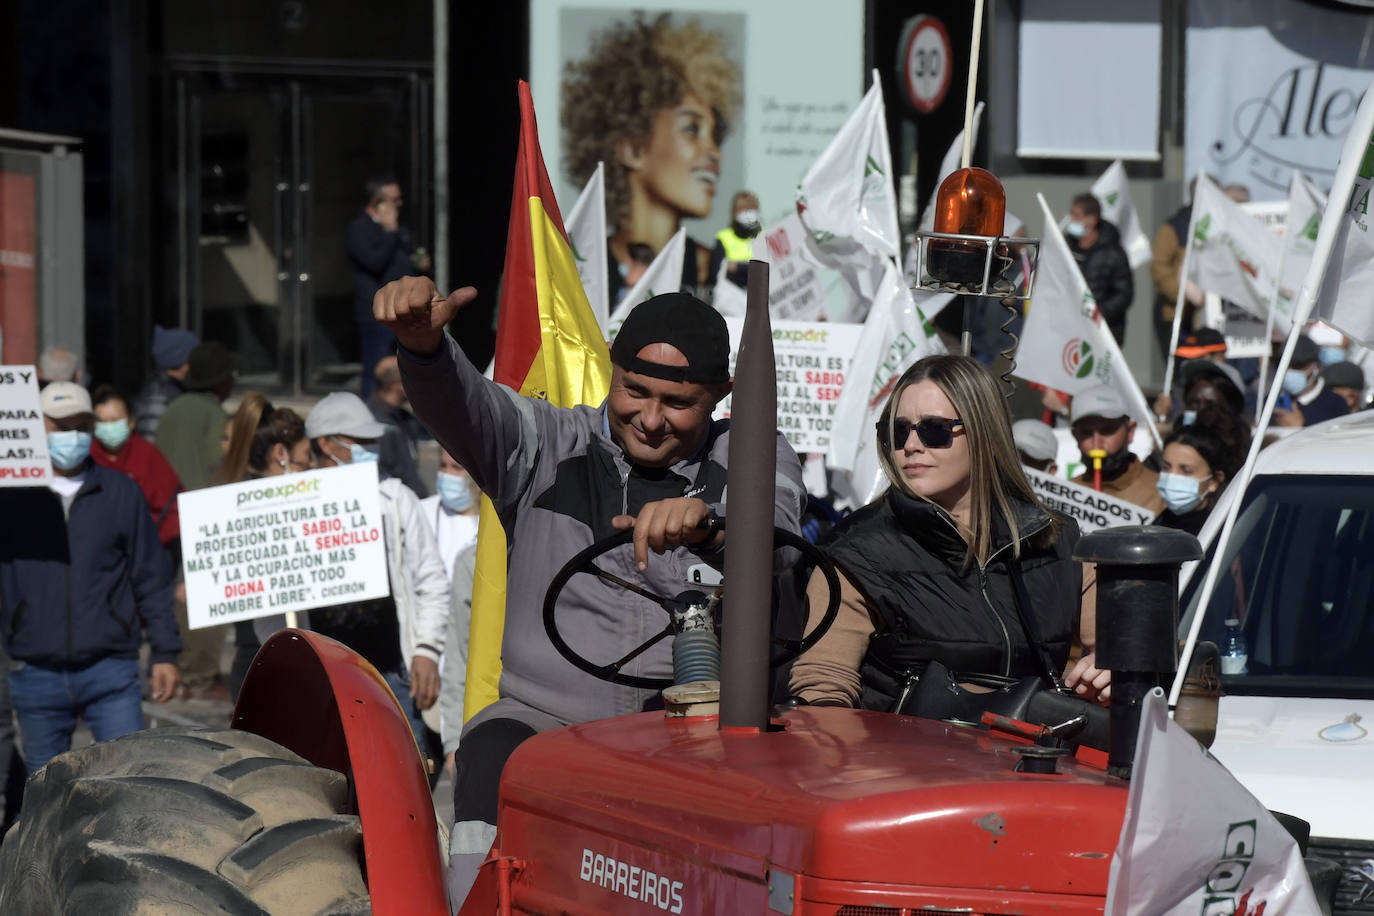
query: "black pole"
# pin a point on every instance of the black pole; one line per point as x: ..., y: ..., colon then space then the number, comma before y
x: 1137, y: 621
x: 749, y: 511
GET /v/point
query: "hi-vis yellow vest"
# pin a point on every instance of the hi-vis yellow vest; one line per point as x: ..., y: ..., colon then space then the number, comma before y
x: 736, y: 248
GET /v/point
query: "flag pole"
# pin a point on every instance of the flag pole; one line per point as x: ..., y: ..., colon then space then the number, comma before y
x: 1169, y: 358
x: 1334, y: 212
x: 1273, y: 307
x: 967, y: 156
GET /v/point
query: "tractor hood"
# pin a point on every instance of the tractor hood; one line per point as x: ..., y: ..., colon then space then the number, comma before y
x: 834, y: 795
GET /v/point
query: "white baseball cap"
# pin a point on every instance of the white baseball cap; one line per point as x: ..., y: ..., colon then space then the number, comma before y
x: 64, y: 399
x: 1098, y: 401
x: 1036, y: 439
x: 343, y: 414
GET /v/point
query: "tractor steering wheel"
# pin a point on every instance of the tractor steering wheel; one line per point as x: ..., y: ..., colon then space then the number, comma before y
x: 582, y: 563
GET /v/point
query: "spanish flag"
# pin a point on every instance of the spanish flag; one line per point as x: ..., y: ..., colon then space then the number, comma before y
x: 548, y: 346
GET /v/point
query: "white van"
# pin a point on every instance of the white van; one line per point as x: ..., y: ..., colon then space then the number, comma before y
x: 1299, y: 573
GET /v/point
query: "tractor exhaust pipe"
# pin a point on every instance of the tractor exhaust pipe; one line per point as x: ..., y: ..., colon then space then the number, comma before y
x: 751, y: 484
x: 1137, y: 621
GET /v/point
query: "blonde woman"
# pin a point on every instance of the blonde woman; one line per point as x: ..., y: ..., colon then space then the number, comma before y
x: 652, y: 101
x: 929, y: 570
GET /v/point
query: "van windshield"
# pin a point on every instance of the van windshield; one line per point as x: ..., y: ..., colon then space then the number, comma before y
x: 1299, y: 575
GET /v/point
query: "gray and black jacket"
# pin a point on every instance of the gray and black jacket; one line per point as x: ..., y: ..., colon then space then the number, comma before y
x: 557, y: 478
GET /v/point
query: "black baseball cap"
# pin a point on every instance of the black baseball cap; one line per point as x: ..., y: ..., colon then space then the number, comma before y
x: 682, y: 321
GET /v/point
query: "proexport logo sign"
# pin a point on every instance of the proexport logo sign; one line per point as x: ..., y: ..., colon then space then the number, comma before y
x: 1078, y: 358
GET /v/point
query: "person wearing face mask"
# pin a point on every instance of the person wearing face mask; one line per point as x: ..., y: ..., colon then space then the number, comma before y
x: 735, y: 243
x: 1096, y: 247
x: 1198, y: 462
x: 82, y: 578
x: 453, y: 510
x: 957, y: 562
x: 119, y: 448
x: 1307, y: 399
x: 1099, y: 420
x: 402, y: 635
x: 1209, y: 384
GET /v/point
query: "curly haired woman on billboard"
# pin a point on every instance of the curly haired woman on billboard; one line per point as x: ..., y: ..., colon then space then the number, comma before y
x: 652, y: 100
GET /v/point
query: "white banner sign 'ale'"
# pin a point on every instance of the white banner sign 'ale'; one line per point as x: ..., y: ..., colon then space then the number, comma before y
x: 279, y: 544
x: 23, y: 439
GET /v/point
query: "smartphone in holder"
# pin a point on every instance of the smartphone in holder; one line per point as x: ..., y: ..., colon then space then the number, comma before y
x: 1285, y: 401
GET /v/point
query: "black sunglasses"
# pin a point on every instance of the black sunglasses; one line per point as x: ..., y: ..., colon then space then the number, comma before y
x: 934, y: 432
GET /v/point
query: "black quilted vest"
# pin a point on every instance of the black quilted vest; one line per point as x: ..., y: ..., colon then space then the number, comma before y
x: 907, y: 559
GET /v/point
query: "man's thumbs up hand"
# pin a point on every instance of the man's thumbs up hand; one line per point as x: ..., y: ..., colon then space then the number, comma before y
x: 415, y: 312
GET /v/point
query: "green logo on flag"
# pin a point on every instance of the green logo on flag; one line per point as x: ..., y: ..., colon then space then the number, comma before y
x: 870, y: 167
x: 1111, y: 199
x: 1203, y: 225
x: 1078, y: 358
x: 575, y: 254
x: 1309, y: 231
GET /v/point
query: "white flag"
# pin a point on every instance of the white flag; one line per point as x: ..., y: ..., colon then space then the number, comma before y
x: 895, y: 335
x: 1234, y: 254
x: 586, y: 227
x: 1065, y: 344
x: 1342, y: 276
x: 847, y: 201
x: 664, y: 275
x: 1194, y: 841
x: 1305, y: 205
x: 1113, y: 192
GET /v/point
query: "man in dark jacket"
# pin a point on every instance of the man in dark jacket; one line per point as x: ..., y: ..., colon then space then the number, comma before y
x: 380, y: 250
x: 82, y: 575
x: 1096, y: 246
x: 400, y: 444
x: 172, y: 357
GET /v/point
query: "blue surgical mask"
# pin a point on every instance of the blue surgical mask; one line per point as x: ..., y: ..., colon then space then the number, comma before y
x: 1188, y: 418
x: 363, y: 453
x: 113, y: 434
x: 455, y: 493
x: 1294, y: 381
x: 67, y: 449
x: 1331, y: 355
x: 1179, y: 492
x: 1075, y: 229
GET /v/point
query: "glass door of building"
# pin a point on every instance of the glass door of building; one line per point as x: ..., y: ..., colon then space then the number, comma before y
x: 270, y: 170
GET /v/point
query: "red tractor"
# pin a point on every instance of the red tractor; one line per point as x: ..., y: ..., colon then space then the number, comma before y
x: 316, y: 799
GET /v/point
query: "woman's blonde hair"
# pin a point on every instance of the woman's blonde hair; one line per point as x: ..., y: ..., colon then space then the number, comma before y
x: 635, y: 70
x: 995, y: 475
x: 244, y: 424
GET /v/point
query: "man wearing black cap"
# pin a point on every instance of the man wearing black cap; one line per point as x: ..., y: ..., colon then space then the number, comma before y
x: 1308, y: 401
x: 650, y: 457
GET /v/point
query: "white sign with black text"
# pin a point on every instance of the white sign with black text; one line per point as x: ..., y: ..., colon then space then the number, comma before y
x: 23, y: 440
x: 281, y: 544
x: 812, y: 359
x: 1091, y: 509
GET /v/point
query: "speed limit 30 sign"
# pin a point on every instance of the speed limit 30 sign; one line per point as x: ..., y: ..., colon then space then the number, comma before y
x: 926, y: 61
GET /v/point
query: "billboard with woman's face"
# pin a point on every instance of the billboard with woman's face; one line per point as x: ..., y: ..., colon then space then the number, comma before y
x: 687, y: 106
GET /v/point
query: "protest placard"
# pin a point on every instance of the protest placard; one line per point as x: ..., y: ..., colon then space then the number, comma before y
x: 23, y: 440
x: 281, y: 544
x: 1091, y: 509
x: 812, y: 360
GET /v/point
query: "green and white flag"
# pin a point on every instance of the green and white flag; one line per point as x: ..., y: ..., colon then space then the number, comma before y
x: 895, y: 335
x: 1065, y: 344
x: 664, y: 275
x: 1113, y: 192
x: 586, y: 227
x: 1341, y: 280
x: 1234, y: 254
x: 847, y: 200
x: 1305, y: 206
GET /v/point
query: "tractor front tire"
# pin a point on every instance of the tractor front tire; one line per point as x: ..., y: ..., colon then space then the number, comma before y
x: 177, y: 820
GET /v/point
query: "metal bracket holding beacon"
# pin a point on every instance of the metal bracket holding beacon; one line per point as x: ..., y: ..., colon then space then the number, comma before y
x: 967, y: 254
